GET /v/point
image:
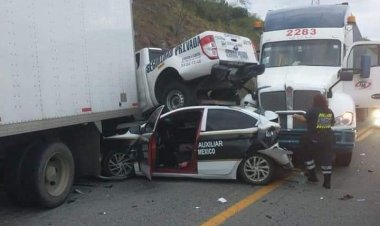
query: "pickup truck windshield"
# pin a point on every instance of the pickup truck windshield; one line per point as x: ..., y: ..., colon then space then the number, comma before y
x: 302, y: 52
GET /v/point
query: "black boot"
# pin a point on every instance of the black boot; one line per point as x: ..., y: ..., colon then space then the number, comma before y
x: 311, y: 175
x: 327, y: 181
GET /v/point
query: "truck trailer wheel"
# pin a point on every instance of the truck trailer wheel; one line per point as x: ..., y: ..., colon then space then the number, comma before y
x: 49, y: 174
x: 176, y: 95
x: 343, y: 159
x: 13, y: 175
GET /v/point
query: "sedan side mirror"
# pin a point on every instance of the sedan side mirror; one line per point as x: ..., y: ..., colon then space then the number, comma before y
x: 365, y: 66
x: 135, y: 130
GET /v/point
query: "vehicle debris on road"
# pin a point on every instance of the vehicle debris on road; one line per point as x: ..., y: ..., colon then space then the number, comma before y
x: 222, y: 200
x: 346, y: 197
x: 78, y: 191
x: 109, y: 186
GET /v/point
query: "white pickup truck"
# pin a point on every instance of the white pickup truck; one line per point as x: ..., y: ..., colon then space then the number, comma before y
x: 207, y: 68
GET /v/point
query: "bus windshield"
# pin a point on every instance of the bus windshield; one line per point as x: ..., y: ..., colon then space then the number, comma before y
x: 302, y: 52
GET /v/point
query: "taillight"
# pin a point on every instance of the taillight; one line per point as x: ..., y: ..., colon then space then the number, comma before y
x: 209, y: 47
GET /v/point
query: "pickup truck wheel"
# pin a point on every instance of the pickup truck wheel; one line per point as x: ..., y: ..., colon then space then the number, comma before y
x: 256, y: 169
x: 118, y: 164
x: 177, y: 95
x: 49, y: 174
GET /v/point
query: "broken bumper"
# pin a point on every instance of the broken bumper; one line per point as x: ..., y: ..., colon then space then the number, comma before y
x: 237, y: 74
x: 344, y: 139
x: 279, y: 155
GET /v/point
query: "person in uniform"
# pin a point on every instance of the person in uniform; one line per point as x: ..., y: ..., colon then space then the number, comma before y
x: 318, y: 139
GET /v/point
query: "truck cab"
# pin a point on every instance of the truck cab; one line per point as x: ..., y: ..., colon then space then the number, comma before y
x: 363, y: 63
x: 303, y: 51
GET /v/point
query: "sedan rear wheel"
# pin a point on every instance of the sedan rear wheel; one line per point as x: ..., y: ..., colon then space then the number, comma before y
x: 257, y: 169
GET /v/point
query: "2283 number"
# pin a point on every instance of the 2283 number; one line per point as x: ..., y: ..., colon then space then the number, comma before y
x: 298, y: 32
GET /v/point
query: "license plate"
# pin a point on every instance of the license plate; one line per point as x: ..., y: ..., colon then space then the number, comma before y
x: 236, y: 54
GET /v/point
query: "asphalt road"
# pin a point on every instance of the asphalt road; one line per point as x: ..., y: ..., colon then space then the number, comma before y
x: 289, y: 201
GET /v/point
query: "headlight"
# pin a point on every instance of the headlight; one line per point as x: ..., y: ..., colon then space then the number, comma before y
x: 377, y: 122
x: 344, y: 120
x: 376, y: 117
x: 268, y: 137
x: 269, y: 133
x: 376, y: 113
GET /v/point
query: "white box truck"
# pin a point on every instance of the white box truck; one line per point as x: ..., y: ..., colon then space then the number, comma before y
x: 67, y: 72
x: 68, y: 77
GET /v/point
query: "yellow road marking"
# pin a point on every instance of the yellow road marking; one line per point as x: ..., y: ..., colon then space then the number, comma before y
x: 364, y: 135
x: 249, y: 200
x: 242, y: 204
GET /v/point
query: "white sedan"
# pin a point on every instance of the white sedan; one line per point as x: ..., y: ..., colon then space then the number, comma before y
x: 212, y: 142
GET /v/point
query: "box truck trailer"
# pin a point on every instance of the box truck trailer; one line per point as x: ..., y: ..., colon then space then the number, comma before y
x: 67, y: 74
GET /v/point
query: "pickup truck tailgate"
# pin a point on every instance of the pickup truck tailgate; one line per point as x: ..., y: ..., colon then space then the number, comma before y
x: 234, y: 48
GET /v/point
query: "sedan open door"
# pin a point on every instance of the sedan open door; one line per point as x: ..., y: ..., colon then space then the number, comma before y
x: 147, y: 146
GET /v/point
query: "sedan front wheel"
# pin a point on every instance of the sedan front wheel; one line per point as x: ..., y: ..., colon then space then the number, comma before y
x: 257, y: 169
x: 118, y: 164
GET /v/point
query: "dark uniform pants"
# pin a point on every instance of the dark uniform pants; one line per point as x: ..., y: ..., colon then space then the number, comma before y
x: 317, y: 147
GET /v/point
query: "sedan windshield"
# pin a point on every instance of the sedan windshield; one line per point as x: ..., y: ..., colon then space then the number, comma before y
x: 302, y: 52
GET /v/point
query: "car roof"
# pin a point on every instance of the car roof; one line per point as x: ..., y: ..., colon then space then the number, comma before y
x: 207, y: 107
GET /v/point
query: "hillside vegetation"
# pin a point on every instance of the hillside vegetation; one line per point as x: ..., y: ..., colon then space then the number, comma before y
x: 166, y: 23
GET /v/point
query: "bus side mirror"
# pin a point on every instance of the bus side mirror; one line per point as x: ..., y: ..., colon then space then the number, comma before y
x: 365, y: 66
